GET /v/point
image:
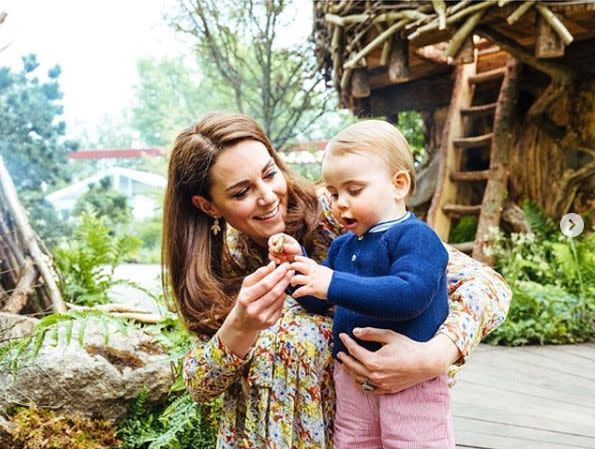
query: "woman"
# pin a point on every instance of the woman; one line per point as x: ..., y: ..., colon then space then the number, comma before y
x: 228, y: 192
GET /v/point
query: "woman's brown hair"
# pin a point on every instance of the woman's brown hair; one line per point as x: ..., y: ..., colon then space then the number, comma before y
x: 197, y: 267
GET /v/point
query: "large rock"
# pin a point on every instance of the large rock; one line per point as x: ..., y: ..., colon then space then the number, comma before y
x: 13, y: 326
x: 97, y: 379
x: 6, y: 440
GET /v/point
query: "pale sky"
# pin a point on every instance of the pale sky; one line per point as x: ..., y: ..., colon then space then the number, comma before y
x: 97, y: 43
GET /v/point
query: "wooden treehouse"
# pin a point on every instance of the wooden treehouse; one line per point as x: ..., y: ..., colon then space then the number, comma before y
x: 506, y: 91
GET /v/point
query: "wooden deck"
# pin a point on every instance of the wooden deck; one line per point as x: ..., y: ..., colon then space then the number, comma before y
x: 526, y: 398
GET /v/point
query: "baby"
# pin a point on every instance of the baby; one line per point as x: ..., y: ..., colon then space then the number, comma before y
x: 388, y: 271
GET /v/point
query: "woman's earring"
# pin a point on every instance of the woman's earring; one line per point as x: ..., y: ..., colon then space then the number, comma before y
x: 215, y: 228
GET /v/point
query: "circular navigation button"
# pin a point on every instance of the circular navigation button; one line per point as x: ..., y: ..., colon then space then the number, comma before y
x: 572, y: 225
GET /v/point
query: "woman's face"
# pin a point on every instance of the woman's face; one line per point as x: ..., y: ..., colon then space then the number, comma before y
x: 249, y: 191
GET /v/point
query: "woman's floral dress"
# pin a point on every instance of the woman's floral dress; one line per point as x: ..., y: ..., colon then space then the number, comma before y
x: 281, y: 395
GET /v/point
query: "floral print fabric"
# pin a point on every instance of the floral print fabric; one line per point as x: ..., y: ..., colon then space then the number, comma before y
x: 281, y: 395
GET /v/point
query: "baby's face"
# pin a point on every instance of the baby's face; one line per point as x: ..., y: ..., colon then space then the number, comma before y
x: 362, y: 189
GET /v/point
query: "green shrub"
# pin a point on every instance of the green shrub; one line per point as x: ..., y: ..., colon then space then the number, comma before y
x: 182, y: 424
x: 553, y: 282
x: 313, y: 172
x: 562, y: 261
x: 107, y: 202
x: 149, y: 233
x: 542, y: 314
x: 411, y: 124
x: 86, y: 263
x: 463, y: 230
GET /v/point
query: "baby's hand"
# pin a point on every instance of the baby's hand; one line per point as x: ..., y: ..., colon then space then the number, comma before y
x: 283, y: 248
x: 313, y: 279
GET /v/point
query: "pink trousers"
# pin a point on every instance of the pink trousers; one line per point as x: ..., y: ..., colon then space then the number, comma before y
x: 415, y: 418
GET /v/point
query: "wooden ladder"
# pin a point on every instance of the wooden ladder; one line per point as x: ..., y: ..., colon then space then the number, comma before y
x: 460, y: 181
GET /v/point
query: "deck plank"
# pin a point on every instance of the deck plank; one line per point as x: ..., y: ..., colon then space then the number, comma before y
x: 532, y: 397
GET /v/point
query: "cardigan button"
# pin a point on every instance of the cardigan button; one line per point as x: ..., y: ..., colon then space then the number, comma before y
x: 353, y: 258
x: 361, y: 237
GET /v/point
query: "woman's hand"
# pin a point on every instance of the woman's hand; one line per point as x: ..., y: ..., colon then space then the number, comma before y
x: 400, y: 363
x: 259, y: 306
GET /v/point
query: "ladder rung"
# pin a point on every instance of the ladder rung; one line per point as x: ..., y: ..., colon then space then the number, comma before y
x: 487, y: 76
x: 476, y: 141
x: 478, y: 175
x: 489, y: 50
x: 466, y: 247
x: 479, y: 111
x: 459, y: 209
x: 482, y: 43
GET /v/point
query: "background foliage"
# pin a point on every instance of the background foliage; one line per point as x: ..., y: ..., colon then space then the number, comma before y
x: 181, y: 422
x: 86, y: 263
x: 170, y: 96
x: 240, y: 51
x: 553, y: 282
x: 31, y: 133
x: 105, y: 202
x: 32, y: 142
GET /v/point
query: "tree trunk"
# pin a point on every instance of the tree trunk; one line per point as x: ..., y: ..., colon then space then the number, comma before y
x: 542, y: 167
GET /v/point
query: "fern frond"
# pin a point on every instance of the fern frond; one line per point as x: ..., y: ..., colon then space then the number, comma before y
x: 15, y: 353
x: 538, y: 221
x: 464, y: 230
x: 178, y: 418
x: 86, y: 264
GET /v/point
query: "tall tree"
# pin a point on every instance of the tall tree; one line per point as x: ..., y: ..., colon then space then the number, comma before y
x: 31, y: 133
x: 239, y: 46
x: 32, y: 142
x: 170, y: 95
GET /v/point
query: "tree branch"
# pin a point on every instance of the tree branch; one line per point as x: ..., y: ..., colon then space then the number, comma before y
x: 569, y: 185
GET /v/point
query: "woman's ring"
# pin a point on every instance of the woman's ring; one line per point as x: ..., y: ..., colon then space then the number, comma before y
x: 367, y: 386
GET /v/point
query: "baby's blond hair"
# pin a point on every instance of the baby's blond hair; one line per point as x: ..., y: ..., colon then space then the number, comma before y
x: 376, y: 137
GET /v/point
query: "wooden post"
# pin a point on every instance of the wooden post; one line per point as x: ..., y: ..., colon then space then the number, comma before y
x: 398, y: 65
x: 10, y: 274
x: 549, y: 44
x: 569, y: 185
x: 466, y: 54
x: 336, y: 57
x: 29, y: 238
x: 360, y: 86
x: 495, y: 193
